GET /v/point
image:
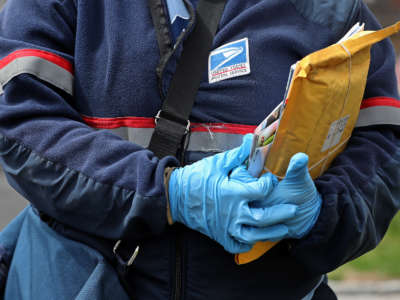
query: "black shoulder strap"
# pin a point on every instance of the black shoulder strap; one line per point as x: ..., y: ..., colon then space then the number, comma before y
x: 172, y: 121
x: 166, y: 140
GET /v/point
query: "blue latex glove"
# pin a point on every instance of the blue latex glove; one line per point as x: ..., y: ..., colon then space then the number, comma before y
x: 205, y: 198
x: 297, y: 188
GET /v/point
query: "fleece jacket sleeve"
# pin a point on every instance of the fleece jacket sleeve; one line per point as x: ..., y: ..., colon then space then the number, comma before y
x: 90, y: 180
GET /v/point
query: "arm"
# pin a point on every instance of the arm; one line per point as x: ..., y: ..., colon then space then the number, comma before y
x: 90, y: 180
x: 360, y: 190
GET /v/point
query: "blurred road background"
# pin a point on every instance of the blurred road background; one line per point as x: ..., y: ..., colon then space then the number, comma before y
x: 10, y: 202
x: 374, y: 276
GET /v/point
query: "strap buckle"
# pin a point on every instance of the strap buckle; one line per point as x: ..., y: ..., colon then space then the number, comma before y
x: 121, y: 260
x: 158, y: 116
x: 170, y: 135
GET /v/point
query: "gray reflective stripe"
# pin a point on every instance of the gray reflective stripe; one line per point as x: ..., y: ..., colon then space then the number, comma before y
x: 378, y: 115
x: 205, y: 141
x: 139, y: 136
x: 39, y: 67
x: 213, y: 141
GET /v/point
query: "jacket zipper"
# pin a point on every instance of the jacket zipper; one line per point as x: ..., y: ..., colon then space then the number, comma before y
x: 178, y: 267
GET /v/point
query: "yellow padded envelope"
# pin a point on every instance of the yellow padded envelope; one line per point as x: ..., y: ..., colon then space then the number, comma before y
x: 322, y: 109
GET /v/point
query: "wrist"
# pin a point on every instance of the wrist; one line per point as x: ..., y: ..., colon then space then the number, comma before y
x: 174, y: 195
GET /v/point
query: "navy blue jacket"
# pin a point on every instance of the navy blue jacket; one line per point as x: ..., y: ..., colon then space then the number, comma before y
x: 72, y: 67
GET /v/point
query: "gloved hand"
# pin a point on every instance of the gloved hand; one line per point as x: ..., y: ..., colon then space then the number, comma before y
x: 297, y: 188
x: 203, y: 197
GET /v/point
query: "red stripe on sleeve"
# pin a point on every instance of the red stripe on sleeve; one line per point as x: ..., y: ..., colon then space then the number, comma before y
x: 380, y: 101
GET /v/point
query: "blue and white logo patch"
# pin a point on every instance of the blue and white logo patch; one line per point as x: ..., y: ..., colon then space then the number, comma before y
x: 228, y: 61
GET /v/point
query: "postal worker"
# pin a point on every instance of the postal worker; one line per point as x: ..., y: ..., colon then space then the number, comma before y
x: 81, y: 82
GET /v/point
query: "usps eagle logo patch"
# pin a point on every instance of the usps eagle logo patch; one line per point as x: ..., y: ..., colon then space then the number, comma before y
x: 228, y: 61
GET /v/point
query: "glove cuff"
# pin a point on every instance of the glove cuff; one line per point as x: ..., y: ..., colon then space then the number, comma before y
x: 167, y: 176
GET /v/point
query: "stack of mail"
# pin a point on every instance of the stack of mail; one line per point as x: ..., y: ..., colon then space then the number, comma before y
x: 318, y: 112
